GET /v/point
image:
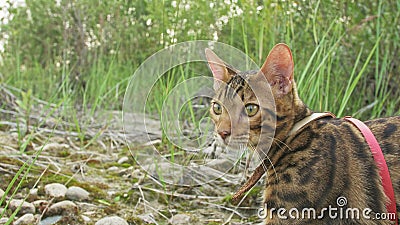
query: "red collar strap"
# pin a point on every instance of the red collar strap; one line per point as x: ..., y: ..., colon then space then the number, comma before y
x: 373, y: 145
x: 380, y: 161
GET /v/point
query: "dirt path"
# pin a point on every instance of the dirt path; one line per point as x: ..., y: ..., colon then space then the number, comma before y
x: 102, y: 164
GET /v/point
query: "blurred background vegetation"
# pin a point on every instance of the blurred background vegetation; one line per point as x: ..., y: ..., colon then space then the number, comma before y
x: 66, y: 60
x: 82, y: 53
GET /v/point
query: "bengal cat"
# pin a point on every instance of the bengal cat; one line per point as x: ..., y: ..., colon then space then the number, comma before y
x: 313, y: 168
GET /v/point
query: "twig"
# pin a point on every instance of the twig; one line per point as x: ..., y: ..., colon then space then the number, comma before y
x: 223, y: 207
x: 146, y: 204
x: 6, y: 89
x: 179, y: 195
x: 72, y: 144
x: 9, y: 148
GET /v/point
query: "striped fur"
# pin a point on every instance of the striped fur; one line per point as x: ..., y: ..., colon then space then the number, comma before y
x: 327, y: 159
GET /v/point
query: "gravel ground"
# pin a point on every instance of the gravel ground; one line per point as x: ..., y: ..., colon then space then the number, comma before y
x: 86, y: 180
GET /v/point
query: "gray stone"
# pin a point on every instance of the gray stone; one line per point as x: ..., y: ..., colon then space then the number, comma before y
x: 85, y: 206
x: 40, y: 205
x: 3, y: 220
x: 126, y: 173
x: 123, y: 160
x: 52, y: 147
x: 64, y: 208
x: 77, y: 194
x: 112, y: 220
x: 113, y: 169
x: 33, y: 192
x: 180, y: 219
x: 86, y: 219
x: 55, y: 190
x: 26, y: 219
x: 137, y: 174
x: 1, y: 193
x: 33, y: 195
x: 147, y: 218
x: 220, y: 164
x: 26, y: 207
x: 51, y: 220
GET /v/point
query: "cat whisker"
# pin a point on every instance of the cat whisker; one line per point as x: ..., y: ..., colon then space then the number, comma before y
x: 262, y: 159
x: 279, y: 143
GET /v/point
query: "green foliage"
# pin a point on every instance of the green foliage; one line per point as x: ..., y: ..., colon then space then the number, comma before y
x: 25, y: 106
x: 83, y: 52
x: 16, y: 183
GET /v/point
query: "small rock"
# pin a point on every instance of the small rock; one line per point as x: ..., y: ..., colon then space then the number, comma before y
x: 19, y: 195
x: 127, y: 173
x: 9, y: 140
x: 113, y: 169
x: 180, y: 219
x: 26, y: 219
x: 33, y: 195
x: 1, y: 193
x: 86, y: 219
x: 137, y: 174
x: 53, y: 147
x: 4, y: 220
x: 87, y: 207
x: 154, y: 169
x: 111, y: 193
x: 15, y: 135
x: 33, y: 191
x: 57, y: 139
x: 220, y: 164
x: 63, y: 208
x: 55, y: 190
x: 123, y: 160
x: 147, y: 218
x: 26, y: 207
x: 40, y: 205
x: 51, y: 220
x: 77, y: 194
x: 112, y: 220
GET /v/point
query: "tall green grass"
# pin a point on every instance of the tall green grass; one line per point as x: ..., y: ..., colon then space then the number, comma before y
x: 346, y: 54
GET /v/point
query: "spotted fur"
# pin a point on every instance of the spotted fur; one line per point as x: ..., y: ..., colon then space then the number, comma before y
x: 327, y: 159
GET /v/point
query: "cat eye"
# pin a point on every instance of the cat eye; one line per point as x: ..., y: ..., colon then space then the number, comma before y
x: 251, y: 109
x: 217, y: 108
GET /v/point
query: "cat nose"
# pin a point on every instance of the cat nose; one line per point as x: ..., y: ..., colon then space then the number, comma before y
x: 224, y: 134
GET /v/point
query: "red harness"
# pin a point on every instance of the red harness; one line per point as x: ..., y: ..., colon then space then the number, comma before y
x: 375, y: 149
x: 380, y: 161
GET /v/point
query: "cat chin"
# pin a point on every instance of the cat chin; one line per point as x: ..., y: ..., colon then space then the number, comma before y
x: 221, y: 142
x: 230, y: 143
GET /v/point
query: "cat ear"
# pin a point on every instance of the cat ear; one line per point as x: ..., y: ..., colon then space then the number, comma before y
x: 219, y: 69
x: 278, y: 69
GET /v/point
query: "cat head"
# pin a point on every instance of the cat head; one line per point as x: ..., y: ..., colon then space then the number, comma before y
x: 239, y: 109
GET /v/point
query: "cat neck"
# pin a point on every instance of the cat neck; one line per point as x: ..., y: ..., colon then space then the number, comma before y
x: 290, y: 110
